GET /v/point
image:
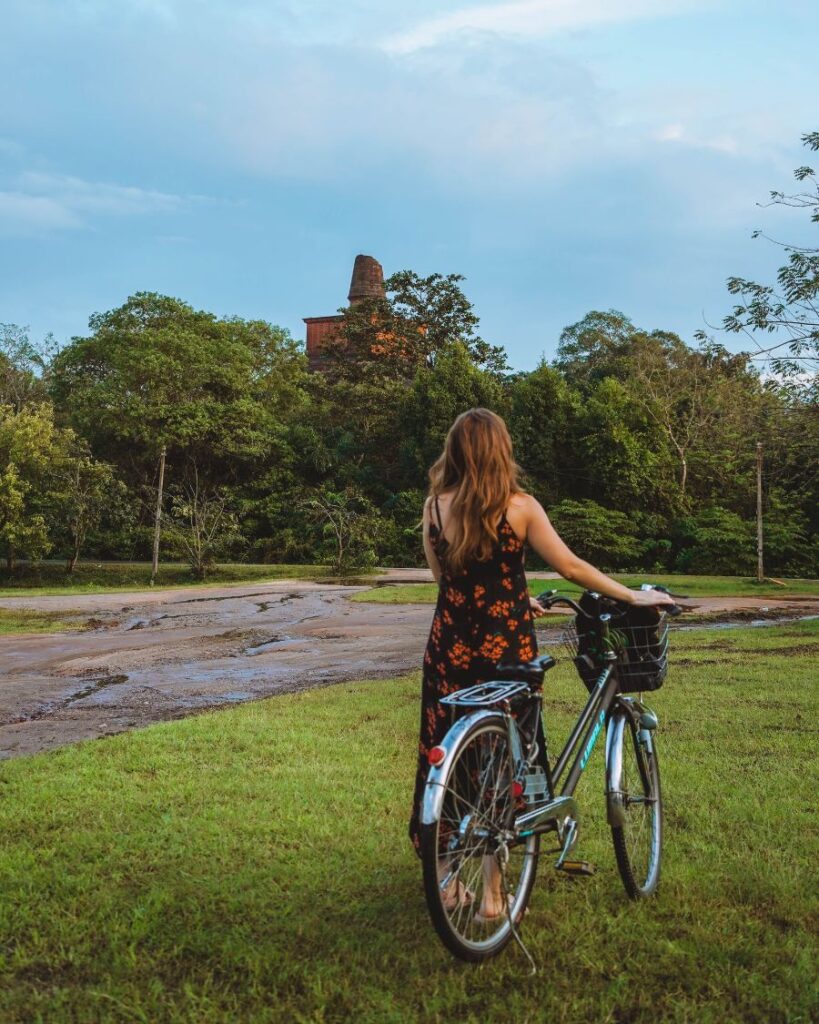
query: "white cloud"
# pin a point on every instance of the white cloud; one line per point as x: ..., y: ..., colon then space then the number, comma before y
x: 676, y: 132
x: 26, y: 214
x: 40, y: 202
x: 526, y: 19
x: 98, y: 196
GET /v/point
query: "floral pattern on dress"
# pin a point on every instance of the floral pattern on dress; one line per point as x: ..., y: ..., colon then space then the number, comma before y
x: 482, y: 618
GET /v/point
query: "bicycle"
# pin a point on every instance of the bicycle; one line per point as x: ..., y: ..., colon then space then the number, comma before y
x: 492, y: 792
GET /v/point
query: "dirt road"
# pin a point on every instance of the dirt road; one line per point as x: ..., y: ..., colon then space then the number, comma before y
x: 138, y: 658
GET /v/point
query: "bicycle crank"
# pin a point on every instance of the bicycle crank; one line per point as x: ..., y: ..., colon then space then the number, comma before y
x: 569, y: 835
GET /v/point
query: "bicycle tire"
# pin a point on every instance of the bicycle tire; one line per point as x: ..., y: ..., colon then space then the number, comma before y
x: 481, y: 757
x: 638, y: 843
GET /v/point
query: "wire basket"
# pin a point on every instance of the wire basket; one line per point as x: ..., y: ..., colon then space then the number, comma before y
x: 569, y: 641
x: 642, y: 650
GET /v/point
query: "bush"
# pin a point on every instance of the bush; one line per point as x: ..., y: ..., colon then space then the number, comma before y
x: 603, y: 536
x: 717, y: 542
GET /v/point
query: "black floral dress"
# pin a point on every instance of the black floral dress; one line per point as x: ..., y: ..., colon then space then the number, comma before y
x: 482, y: 618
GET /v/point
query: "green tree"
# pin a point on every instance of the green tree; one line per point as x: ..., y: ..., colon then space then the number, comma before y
x: 596, y: 347
x: 616, y: 452
x: 717, y: 540
x: 701, y: 401
x: 348, y: 526
x: 439, y: 393
x: 417, y: 319
x: 156, y: 372
x: 29, y: 442
x: 83, y: 492
x: 789, y: 310
x: 540, y: 410
x: 22, y: 366
x: 603, y: 536
x: 202, y: 526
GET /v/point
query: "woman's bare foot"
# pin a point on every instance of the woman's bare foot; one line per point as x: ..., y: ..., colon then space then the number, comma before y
x: 492, y: 901
x: 455, y: 894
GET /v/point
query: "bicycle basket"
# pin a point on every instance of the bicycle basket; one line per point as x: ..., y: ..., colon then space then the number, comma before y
x: 643, y: 663
x: 640, y: 637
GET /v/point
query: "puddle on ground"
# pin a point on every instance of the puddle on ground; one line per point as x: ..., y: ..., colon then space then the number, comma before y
x: 224, y: 597
x: 350, y: 581
x: 745, y: 624
x: 269, y: 644
x: 94, y: 687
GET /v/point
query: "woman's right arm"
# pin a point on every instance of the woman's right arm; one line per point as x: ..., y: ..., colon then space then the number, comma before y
x: 429, y: 551
x: 545, y: 540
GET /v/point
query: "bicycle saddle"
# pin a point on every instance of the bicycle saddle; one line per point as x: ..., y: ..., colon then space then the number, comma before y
x: 527, y: 671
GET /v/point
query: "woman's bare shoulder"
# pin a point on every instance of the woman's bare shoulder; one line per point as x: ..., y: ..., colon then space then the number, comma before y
x: 521, y: 501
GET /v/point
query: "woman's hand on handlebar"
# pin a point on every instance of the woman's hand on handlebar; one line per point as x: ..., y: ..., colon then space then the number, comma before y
x: 651, y: 598
x: 536, y: 607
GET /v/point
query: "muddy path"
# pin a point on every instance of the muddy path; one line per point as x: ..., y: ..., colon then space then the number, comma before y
x: 138, y: 658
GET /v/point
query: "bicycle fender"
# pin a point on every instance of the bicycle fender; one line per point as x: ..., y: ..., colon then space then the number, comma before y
x: 452, y: 742
x: 615, y: 812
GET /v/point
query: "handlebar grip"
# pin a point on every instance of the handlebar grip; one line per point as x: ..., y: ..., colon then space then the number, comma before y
x: 673, y: 610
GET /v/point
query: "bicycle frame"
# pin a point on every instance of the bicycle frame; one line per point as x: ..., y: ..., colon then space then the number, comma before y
x: 577, y: 750
x: 604, y: 707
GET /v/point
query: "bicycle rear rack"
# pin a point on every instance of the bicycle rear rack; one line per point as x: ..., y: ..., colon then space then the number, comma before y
x: 485, y: 695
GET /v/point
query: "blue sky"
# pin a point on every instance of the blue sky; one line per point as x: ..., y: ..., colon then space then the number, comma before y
x: 565, y: 155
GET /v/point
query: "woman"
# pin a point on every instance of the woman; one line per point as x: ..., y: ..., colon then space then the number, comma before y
x: 476, y: 522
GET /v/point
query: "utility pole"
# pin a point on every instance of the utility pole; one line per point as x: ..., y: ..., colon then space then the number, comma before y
x: 760, y: 570
x: 158, y: 519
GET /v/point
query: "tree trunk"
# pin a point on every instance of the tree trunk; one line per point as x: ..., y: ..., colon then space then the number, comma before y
x: 760, y: 564
x: 75, y: 556
x: 158, y: 519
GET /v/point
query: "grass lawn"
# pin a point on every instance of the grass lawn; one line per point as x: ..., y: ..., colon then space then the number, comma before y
x: 24, y: 620
x: 691, y: 586
x: 98, y: 577
x: 252, y: 865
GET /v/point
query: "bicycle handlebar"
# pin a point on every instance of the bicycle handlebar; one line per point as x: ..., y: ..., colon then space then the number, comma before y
x: 552, y: 597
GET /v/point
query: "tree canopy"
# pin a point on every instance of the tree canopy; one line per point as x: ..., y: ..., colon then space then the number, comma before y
x: 641, y: 445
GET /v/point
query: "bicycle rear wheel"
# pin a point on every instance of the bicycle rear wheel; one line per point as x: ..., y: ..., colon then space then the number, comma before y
x: 639, y: 836
x: 459, y: 849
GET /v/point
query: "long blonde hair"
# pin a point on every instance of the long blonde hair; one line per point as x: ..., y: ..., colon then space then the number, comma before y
x: 477, y: 462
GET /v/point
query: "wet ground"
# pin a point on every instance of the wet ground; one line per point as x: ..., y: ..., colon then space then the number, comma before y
x: 138, y: 658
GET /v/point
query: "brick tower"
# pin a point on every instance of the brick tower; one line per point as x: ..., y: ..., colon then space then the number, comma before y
x: 367, y: 282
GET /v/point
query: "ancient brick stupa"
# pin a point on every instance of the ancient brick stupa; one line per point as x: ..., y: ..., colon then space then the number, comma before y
x: 367, y: 283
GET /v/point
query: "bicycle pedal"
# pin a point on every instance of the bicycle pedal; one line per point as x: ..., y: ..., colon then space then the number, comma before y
x: 577, y: 867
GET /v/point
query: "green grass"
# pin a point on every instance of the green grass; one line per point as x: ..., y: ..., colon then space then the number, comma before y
x: 24, y: 620
x: 50, y: 578
x: 691, y: 586
x: 252, y: 865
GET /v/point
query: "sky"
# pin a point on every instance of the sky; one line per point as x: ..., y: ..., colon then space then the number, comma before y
x: 563, y: 155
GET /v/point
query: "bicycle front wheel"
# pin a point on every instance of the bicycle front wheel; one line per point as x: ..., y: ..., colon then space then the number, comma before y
x: 465, y: 879
x: 636, y: 794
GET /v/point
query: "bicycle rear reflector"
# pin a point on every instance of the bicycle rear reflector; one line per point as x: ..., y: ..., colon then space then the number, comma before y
x: 436, y: 756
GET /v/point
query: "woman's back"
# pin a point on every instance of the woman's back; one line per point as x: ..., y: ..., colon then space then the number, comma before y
x: 483, y: 614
